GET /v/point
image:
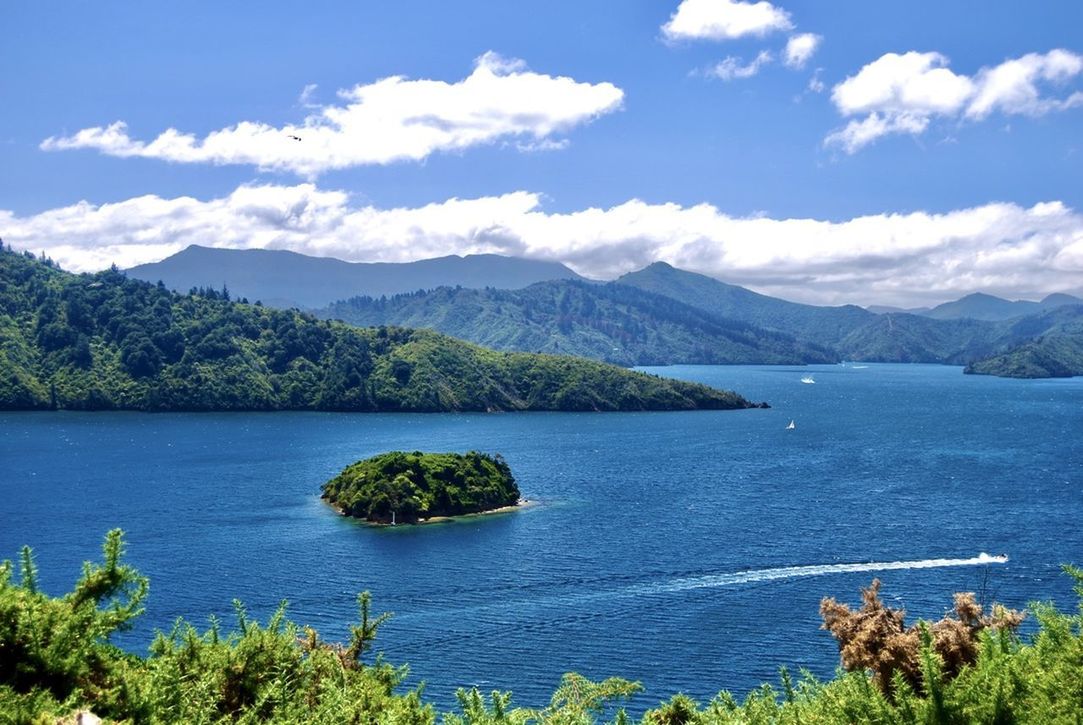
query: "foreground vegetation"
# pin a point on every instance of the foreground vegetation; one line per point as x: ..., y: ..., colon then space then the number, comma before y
x: 404, y: 487
x: 56, y: 659
x: 103, y: 341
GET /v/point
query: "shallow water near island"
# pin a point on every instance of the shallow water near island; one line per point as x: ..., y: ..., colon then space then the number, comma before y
x: 685, y: 550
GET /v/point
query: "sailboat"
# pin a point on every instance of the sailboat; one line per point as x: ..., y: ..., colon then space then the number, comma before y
x: 791, y: 426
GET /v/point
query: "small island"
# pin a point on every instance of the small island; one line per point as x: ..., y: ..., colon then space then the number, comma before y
x: 401, y: 488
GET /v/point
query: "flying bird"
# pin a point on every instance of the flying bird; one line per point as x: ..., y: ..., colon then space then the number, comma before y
x: 295, y: 138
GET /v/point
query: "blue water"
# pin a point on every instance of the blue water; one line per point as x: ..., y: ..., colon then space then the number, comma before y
x: 646, y: 557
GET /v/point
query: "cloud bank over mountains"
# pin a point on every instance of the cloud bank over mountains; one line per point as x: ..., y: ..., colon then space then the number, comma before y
x: 907, y: 259
x: 904, y: 259
x: 390, y: 120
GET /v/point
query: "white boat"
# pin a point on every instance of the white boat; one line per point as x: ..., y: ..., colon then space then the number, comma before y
x: 807, y: 380
x: 791, y: 426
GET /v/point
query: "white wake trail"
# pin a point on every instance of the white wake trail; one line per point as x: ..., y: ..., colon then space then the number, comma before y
x: 542, y: 603
x: 793, y: 572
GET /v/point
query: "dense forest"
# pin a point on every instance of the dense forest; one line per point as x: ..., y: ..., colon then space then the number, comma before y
x: 610, y: 322
x: 103, y: 341
x: 57, y: 659
x: 399, y: 487
x: 1051, y: 347
x: 1055, y: 356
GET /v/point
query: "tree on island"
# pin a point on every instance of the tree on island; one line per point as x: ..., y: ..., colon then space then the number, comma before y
x: 399, y: 487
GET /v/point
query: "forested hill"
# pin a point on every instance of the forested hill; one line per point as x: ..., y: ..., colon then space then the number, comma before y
x: 825, y: 325
x: 104, y: 341
x: 611, y: 322
x: 1040, y: 344
x: 1052, y: 347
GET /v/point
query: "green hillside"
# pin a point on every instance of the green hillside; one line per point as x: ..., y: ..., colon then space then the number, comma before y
x: 610, y: 322
x: 1048, y: 345
x: 912, y: 338
x: 104, y: 341
x: 1055, y: 356
x: 824, y: 325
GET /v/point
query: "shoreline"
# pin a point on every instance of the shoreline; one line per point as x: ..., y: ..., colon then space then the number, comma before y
x: 520, y: 505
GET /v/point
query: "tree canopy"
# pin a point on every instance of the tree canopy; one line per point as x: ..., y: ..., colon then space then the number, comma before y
x: 406, y: 487
x: 103, y: 341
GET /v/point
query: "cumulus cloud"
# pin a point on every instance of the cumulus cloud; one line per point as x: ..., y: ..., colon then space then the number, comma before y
x: 724, y: 20
x: 389, y: 120
x: 732, y: 67
x: 855, y: 135
x: 903, y: 93
x: 906, y: 259
x: 1012, y: 86
x: 799, y: 48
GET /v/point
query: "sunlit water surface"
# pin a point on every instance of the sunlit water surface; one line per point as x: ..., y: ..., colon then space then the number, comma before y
x: 685, y: 550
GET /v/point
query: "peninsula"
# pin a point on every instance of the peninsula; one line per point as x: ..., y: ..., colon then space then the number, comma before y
x: 106, y: 342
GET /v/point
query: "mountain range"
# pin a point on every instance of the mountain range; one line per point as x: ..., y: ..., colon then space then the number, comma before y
x: 980, y: 306
x: 284, y: 279
x: 663, y: 315
x: 654, y: 316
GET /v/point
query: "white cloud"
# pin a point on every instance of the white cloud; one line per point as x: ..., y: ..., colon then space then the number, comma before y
x: 909, y: 83
x: 724, y: 20
x: 799, y: 48
x: 731, y: 68
x: 390, y: 120
x: 903, y: 93
x: 305, y: 100
x: 906, y: 259
x: 1012, y: 86
x: 857, y: 134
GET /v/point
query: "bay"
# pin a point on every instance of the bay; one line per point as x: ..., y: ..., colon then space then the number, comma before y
x: 686, y: 550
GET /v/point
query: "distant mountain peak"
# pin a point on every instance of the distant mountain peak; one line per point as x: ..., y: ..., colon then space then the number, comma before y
x: 1060, y: 298
x: 981, y: 297
x: 291, y: 279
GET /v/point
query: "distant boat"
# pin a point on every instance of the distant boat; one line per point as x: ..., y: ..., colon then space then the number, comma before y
x: 791, y: 426
x: 807, y: 380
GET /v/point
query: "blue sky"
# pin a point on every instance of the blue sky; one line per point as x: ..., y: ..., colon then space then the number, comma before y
x: 605, y: 140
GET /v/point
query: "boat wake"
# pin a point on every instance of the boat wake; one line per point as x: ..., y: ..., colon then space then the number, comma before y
x: 546, y: 612
x: 662, y: 587
x: 793, y: 572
